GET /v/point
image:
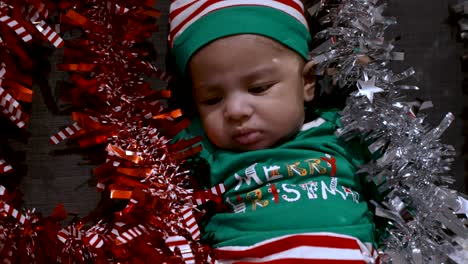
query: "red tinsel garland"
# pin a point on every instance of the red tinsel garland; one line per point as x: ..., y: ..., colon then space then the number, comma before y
x: 114, y: 107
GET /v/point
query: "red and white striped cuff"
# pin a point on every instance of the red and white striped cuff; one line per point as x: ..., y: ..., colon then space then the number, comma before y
x: 315, y: 248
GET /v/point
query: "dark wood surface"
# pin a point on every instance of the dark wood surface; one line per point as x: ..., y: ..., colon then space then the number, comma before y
x: 53, y: 176
x: 431, y: 46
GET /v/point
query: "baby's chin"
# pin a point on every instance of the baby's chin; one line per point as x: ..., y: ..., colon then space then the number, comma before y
x: 264, y: 142
x: 249, y: 147
x: 252, y: 148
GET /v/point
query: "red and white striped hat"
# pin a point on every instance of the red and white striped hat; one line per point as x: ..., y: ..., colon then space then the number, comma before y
x: 195, y: 23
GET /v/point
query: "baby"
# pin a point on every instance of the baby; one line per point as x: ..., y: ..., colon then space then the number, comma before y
x: 291, y: 184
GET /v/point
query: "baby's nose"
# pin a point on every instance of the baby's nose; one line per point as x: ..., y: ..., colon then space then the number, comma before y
x: 237, y: 108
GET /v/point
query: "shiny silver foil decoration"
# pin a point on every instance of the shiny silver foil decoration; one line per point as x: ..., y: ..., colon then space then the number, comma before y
x: 425, y: 221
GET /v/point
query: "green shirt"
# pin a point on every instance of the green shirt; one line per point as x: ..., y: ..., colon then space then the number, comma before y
x: 306, y: 184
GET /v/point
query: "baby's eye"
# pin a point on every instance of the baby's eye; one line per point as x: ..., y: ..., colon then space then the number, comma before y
x: 260, y: 89
x: 211, y: 101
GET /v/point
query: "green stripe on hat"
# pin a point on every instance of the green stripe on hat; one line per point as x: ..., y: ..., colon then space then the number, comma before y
x: 261, y: 20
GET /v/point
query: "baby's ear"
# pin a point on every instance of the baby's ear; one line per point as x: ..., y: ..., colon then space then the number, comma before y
x: 308, y: 74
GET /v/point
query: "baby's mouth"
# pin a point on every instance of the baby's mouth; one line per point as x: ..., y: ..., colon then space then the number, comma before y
x: 247, y: 137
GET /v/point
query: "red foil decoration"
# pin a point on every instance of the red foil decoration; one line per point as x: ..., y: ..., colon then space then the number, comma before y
x: 115, y: 108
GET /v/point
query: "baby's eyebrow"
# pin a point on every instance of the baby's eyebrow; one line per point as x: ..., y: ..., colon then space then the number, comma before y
x: 260, y: 72
x: 207, y: 88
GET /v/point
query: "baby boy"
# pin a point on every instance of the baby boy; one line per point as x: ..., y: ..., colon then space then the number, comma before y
x: 290, y: 182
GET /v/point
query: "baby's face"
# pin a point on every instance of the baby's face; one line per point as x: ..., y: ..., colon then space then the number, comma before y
x: 249, y: 92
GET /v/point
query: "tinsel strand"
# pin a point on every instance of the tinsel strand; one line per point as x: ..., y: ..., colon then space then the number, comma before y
x: 412, y: 171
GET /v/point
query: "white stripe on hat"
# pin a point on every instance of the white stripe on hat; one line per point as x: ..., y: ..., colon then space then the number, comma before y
x: 178, y: 4
x: 186, y: 12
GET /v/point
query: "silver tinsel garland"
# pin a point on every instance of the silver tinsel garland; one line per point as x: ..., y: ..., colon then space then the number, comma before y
x: 426, y: 220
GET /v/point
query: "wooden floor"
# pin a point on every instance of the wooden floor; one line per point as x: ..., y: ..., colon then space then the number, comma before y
x: 430, y: 45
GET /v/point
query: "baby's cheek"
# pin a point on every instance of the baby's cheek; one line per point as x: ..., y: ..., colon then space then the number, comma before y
x: 213, y: 130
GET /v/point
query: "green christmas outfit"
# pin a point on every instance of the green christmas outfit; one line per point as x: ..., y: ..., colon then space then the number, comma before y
x: 305, y: 184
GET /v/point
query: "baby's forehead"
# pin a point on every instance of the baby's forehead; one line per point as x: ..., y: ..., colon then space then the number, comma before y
x: 271, y: 43
x: 259, y: 42
x: 243, y: 58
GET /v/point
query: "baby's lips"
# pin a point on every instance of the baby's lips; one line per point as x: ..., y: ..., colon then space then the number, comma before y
x: 247, y: 138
